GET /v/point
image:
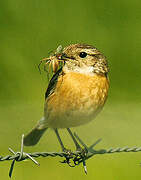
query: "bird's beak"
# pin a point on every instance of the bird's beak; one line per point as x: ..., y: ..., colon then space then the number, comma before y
x: 65, y: 57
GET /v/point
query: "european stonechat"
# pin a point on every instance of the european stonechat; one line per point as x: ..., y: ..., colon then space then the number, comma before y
x: 76, y: 93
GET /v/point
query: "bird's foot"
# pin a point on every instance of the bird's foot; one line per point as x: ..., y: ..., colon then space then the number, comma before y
x: 68, y: 154
x: 84, y: 153
x: 75, y: 158
x: 81, y: 154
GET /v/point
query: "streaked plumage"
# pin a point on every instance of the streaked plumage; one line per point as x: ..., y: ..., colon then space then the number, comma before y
x: 77, y: 91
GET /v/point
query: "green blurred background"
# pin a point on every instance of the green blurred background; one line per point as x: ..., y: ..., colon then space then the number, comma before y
x: 31, y: 29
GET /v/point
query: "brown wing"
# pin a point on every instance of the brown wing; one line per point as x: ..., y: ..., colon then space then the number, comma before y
x: 52, y: 83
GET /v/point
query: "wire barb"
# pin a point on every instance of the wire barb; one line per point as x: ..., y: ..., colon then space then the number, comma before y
x: 76, y: 157
x: 19, y: 156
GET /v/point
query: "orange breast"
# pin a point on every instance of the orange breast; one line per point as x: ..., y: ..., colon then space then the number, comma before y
x: 76, y: 99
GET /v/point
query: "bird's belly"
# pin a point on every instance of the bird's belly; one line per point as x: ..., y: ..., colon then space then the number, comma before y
x: 72, y: 118
x: 74, y: 102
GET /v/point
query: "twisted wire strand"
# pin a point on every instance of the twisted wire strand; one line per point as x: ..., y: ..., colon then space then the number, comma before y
x: 77, y: 157
x: 62, y: 154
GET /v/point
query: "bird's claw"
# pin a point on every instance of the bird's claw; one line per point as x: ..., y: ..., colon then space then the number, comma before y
x: 68, y: 156
x: 81, y: 155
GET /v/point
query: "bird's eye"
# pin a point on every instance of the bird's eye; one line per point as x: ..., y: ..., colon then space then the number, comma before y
x: 83, y: 54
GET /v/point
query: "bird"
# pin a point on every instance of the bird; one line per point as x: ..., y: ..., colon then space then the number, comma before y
x: 75, y: 94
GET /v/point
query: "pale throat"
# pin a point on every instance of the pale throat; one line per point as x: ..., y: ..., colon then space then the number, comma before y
x: 89, y: 70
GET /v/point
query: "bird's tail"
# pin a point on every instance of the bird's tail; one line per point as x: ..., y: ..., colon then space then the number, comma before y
x: 35, y: 134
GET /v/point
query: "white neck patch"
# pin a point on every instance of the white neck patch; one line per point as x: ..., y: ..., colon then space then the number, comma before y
x: 85, y: 70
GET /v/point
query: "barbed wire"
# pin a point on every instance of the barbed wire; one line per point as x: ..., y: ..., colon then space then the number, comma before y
x: 71, y: 158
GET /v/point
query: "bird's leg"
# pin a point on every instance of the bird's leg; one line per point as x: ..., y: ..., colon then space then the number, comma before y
x: 59, y: 139
x: 68, y: 154
x: 82, y: 153
x: 78, y: 148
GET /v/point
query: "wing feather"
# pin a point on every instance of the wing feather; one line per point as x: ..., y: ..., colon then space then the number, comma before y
x: 52, y: 83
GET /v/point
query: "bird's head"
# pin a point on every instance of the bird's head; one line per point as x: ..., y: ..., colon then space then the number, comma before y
x: 84, y: 59
x: 81, y: 58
